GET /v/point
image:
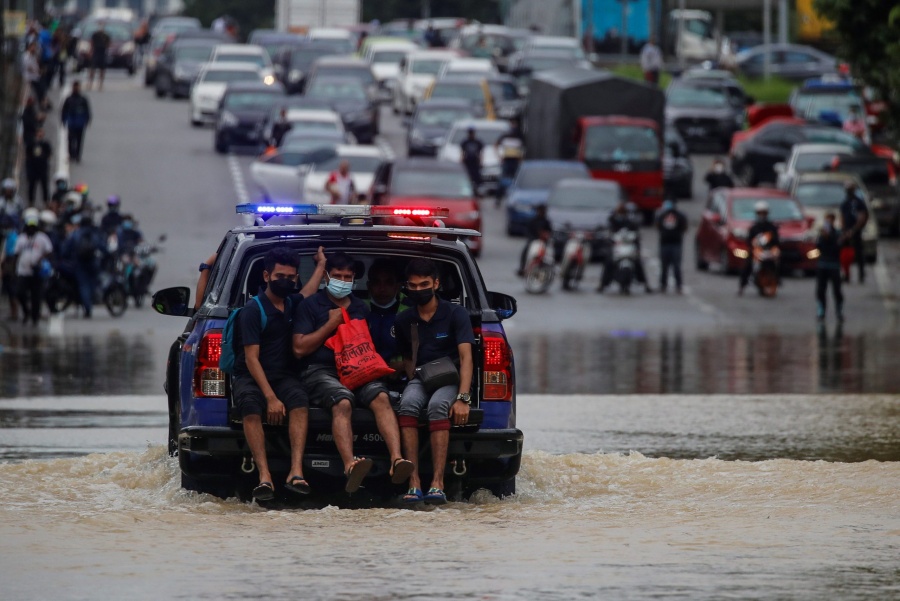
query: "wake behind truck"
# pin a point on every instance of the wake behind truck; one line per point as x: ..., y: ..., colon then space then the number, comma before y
x: 614, y: 125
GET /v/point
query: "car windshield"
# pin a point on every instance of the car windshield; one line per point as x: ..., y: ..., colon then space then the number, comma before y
x: 253, y: 59
x: 779, y: 210
x: 811, y: 106
x: 335, y: 46
x: 487, y: 135
x: 821, y: 194
x: 571, y: 51
x: 312, y: 125
x: 874, y: 172
x: 119, y: 32
x: 223, y: 76
x: 251, y: 100
x: 308, y: 140
x: 363, y: 74
x: 503, y: 90
x: 587, y: 197
x: 392, y: 57
x: 304, y: 57
x: 814, y: 161
x: 440, y: 117
x: 546, y: 63
x: 193, y: 53
x: 543, y: 178
x: 465, y: 91
x: 358, y: 164
x: 336, y: 90
x: 831, y: 135
x: 702, y: 97
x: 620, y: 143
x: 440, y: 184
x: 427, y: 66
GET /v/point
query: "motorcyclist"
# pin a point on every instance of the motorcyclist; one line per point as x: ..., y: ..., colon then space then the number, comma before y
x: 624, y: 216
x: 761, y: 226
x: 510, y: 148
x: 82, y: 250
x: 538, y: 228
x: 717, y: 176
x: 129, y: 237
x: 60, y: 189
x: 112, y: 219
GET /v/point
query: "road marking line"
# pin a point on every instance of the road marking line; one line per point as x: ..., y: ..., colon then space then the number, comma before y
x: 886, y: 288
x: 389, y: 153
x: 240, y: 187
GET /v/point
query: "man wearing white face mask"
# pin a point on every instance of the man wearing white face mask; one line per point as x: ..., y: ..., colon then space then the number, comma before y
x: 718, y: 177
x: 315, y: 321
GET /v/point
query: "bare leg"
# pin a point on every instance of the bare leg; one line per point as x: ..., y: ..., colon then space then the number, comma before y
x: 410, y: 438
x: 387, y: 424
x: 256, y: 440
x: 440, y: 440
x: 298, y: 420
x: 343, y: 431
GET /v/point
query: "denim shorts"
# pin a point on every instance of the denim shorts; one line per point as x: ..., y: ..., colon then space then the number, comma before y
x: 249, y: 398
x: 325, y: 390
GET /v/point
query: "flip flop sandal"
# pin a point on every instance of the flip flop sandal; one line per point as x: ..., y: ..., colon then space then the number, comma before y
x: 401, y: 470
x: 356, y: 473
x: 264, y: 492
x: 435, y: 496
x: 412, y: 497
x: 298, y: 485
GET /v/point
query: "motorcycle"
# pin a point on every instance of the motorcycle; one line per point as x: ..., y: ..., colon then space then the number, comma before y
x: 62, y: 292
x: 140, y: 271
x: 625, y: 258
x: 539, y: 267
x: 765, y: 264
x: 575, y: 255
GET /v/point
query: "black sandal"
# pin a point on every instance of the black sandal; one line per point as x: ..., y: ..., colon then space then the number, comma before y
x: 264, y: 492
x: 298, y: 485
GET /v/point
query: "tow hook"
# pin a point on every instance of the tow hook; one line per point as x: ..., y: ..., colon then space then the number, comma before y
x: 248, y: 465
x: 459, y: 467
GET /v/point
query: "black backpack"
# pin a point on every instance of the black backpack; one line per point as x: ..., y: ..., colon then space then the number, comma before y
x: 86, y: 247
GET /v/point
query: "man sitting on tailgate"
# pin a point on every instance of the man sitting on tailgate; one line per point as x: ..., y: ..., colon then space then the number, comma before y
x: 263, y: 384
x: 385, y: 303
x: 315, y: 321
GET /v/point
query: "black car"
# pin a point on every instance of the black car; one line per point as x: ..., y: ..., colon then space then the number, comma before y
x: 205, y: 429
x: 244, y: 107
x: 344, y: 66
x: 877, y: 175
x: 349, y: 98
x: 508, y: 103
x: 522, y: 65
x: 678, y: 171
x: 430, y: 124
x: 292, y: 63
x: 706, y: 112
x: 753, y: 158
x: 273, y: 41
x: 180, y: 63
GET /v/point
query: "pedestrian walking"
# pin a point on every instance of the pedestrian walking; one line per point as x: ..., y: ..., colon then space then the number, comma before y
x: 471, y: 149
x: 651, y: 61
x: 672, y: 225
x: 32, y: 248
x: 76, y: 116
x: 828, y: 268
x: 82, y: 250
x: 854, y: 216
x: 100, y: 42
x: 31, y: 70
x: 31, y: 119
x: 37, y: 167
x: 717, y: 176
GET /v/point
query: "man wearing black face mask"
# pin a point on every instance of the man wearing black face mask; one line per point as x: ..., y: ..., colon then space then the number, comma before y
x: 263, y: 385
x: 433, y: 329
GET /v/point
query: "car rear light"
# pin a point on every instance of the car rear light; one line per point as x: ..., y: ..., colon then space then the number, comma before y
x: 209, y: 380
x: 497, y: 365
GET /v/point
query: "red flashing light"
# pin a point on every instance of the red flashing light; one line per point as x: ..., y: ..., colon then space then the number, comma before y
x: 497, y: 365
x: 381, y: 211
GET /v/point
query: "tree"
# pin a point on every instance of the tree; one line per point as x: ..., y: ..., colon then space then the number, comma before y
x: 868, y: 34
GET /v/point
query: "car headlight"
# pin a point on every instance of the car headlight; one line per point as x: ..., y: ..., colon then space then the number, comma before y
x: 740, y: 253
x: 813, y: 254
x: 740, y: 232
x: 127, y: 48
x: 229, y: 119
x: 295, y: 75
x: 878, y: 203
x: 269, y: 79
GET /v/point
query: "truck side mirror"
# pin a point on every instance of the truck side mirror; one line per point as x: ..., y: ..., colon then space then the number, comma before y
x: 173, y: 301
x: 503, y: 305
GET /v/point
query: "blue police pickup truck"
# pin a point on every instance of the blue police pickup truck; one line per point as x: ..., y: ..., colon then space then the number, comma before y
x: 205, y: 431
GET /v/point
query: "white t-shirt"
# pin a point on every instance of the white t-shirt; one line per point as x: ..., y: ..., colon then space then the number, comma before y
x: 30, y: 250
x: 651, y: 58
x: 344, y: 186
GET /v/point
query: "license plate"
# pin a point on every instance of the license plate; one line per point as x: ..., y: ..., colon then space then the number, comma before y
x: 696, y: 131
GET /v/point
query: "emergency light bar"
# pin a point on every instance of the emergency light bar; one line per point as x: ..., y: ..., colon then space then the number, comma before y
x: 272, y: 210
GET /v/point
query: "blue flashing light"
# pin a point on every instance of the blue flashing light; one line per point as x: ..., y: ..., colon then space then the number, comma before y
x: 271, y: 209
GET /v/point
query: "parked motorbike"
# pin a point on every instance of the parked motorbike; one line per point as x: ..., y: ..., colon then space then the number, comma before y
x: 539, y: 267
x: 575, y: 255
x: 62, y: 292
x: 765, y: 264
x: 625, y: 258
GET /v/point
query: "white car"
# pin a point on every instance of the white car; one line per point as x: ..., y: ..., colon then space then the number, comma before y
x: 245, y: 53
x: 486, y: 131
x: 468, y: 66
x: 280, y: 175
x: 364, y: 160
x: 322, y: 120
x: 417, y: 72
x: 385, y: 58
x: 554, y: 43
x: 207, y: 92
x: 806, y: 158
x: 343, y: 38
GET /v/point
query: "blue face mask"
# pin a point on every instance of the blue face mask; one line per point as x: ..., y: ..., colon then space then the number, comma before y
x: 339, y: 288
x: 127, y: 225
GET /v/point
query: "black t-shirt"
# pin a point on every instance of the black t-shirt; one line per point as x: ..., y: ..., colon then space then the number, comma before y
x: 312, y: 314
x: 852, y: 210
x: 381, y: 327
x: 99, y: 42
x: 764, y: 227
x: 274, y: 341
x: 671, y: 225
x: 449, y: 327
x: 471, y: 151
x: 719, y: 180
x: 829, y: 245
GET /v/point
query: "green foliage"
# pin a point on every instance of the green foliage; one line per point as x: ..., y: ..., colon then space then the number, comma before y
x: 249, y: 14
x: 775, y: 90
x: 869, y: 40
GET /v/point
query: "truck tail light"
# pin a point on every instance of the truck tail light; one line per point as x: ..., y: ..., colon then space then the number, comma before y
x: 209, y: 380
x: 498, y: 385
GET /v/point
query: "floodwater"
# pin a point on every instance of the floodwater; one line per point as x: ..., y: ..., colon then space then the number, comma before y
x: 750, y: 493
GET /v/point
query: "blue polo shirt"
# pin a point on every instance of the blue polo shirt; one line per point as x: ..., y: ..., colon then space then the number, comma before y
x: 381, y: 326
x: 312, y: 314
x: 274, y: 341
x: 449, y: 327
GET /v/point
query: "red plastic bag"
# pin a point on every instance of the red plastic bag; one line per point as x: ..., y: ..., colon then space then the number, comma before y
x: 848, y: 255
x: 355, y: 357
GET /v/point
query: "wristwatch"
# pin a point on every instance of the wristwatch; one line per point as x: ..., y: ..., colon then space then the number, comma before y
x: 465, y: 397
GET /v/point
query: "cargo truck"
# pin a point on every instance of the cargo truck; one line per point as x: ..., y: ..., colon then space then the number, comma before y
x: 299, y: 16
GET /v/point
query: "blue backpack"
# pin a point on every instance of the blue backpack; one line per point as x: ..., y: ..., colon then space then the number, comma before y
x: 227, y: 357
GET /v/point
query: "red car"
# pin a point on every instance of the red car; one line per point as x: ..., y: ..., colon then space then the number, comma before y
x: 722, y: 235
x: 429, y: 183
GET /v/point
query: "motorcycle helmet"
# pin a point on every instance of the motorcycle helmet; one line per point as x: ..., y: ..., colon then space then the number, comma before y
x: 62, y: 182
x: 8, y: 185
x: 48, y: 218
x: 75, y: 199
x: 761, y: 207
x: 82, y: 188
x: 31, y: 216
x: 114, y: 200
